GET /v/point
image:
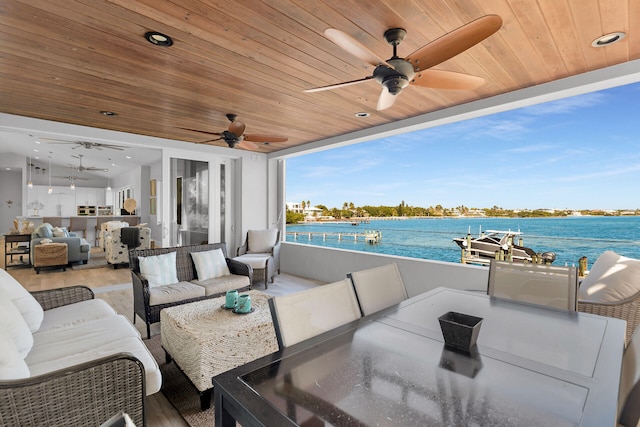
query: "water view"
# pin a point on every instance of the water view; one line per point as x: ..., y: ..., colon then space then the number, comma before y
x: 569, y: 237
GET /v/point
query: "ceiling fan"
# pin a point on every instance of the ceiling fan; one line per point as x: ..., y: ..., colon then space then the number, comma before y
x: 235, y: 135
x: 82, y: 168
x: 397, y: 73
x: 71, y: 178
x: 86, y: 144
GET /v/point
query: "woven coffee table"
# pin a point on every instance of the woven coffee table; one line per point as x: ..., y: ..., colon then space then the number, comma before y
x: 204, y: 339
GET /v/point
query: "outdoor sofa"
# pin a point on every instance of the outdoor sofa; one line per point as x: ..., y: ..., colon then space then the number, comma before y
x: 67, y: 359
x: 179, y: 280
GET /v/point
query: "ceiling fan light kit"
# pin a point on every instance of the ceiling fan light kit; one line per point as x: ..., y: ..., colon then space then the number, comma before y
x: 396, y: 73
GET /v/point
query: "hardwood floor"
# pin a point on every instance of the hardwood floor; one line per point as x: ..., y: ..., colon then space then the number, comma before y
x: 114, y: 286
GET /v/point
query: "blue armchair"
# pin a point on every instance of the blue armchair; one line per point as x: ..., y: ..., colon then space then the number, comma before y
x: 78, y: 248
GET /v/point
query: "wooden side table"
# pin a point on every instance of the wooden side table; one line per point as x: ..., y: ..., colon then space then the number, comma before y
x: 17, y: 245
x: 50, y: 255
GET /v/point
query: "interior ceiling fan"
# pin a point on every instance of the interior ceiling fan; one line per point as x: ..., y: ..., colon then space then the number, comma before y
x: 86, y: 144
x: 397, y: 73
x: 235, y: 136
x: 81, y: 168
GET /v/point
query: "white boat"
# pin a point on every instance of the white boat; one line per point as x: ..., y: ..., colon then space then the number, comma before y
x: 505, y: 245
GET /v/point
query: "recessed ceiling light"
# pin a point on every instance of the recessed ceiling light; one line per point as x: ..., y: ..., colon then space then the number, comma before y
x: 608, y: 39
x: 128, y: 157
x: 36, y: 150
x: 265, y: 143
x: 108, y: 113
x: 362, y: 114
x: 158, y: 39
x: 37, y: 142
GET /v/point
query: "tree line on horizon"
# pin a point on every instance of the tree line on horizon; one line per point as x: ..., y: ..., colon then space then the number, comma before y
x: 350, y: 211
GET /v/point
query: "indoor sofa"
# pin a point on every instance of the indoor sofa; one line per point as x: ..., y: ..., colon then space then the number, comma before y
x: 67, y: 359
x: 78, y: 249
x: 164, y: 277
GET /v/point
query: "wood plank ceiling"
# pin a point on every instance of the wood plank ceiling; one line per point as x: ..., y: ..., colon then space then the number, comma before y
x: 68, y: 60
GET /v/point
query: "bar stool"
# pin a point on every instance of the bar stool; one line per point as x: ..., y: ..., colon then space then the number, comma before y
x: 99, y: 222
x: 78, y: 224
x: 55, y: 221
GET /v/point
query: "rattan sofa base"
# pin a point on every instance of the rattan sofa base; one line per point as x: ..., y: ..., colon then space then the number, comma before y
x: 625, y: 310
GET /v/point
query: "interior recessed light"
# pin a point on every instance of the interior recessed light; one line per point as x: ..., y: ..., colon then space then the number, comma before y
x: 37, y: 142
x: 108, y: 113
x: 36, y: 150
x: 608, y: 39
x: 265, y: 143
x: 362, y: 114
x: 128, y: 157
x: 158, y: 39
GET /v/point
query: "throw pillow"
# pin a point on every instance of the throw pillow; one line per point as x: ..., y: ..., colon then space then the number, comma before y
x: 29, y: 307
x: 60, y: 232
x: 12, y: 366
x: 159, y: 270
x: 13, y: 323
x: 261, y: 241
x: 44, y: 230
x: 210, y: 264
x: 612, y: 278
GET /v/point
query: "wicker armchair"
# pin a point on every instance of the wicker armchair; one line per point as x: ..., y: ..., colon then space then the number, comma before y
x: 86, y: 394
x: 249, y: 251
x: 628, y: 310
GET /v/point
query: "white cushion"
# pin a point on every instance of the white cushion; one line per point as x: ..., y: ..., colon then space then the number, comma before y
x: 12, y: 365
x: 613, y: 278
x: 261, y: 240
x: 223, y: 284
x: 75, y: 314
x: 174, y: 292
x: 255, y: 260
x: 160, y: 269
x: 30, y: 309
x: 60, y: 232
x: 210, y: 264
x: 12, y: 321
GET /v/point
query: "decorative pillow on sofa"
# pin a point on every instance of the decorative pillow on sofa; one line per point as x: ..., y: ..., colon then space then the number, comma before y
x: 27, y: 305
x: 12, y: 365
x: 44, y: 230
x: 261, y: 241
x: 60, y: 232
x: 159, y: 270
x: 210, y: 264
x: 12, y: 322
x: 613, y: 278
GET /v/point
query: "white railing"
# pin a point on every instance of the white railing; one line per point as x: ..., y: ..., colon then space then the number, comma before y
x: 419, y: 275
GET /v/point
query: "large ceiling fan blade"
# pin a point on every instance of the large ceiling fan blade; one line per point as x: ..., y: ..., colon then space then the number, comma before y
x: 265, y: 138
x: 441, y: 79
x: 455, y: 42
x: 246, y: 144
x: 353, y: 46
x: 386, y: 99
x: 202, y: 131
x: 337, y: 85
x: 237, y: 128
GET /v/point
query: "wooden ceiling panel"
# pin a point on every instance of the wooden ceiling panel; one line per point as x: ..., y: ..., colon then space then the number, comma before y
x: 66, y: 60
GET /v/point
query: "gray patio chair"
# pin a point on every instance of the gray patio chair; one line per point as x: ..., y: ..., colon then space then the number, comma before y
x: 378, y: 288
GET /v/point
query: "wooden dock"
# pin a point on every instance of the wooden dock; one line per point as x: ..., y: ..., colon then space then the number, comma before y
x: 372, y: 237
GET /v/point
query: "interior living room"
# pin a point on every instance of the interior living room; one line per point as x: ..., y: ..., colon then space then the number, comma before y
x: 178, y: 120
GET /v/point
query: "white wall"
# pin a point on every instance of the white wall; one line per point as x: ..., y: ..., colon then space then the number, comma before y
x: 63, y: 201
x: 11, y: 189
x: 419, y: 275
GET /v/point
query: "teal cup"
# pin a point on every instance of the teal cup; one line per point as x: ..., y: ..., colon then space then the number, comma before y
x: 231, y: 299
x: 244, y: 303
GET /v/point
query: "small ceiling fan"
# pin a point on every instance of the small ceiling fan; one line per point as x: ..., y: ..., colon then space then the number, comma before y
x: 71, y: 178
x: 235, y: 136
x: 82, y: 168
x: 397, y: 73
x: 86, y: 144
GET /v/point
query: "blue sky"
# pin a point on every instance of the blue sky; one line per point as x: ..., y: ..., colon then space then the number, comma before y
x: 576, y: 153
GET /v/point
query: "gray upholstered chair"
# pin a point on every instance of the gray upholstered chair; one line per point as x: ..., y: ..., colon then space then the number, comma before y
x: 548, y: 285
x: 117, y: 249
x: 378, y: 288
x: 302, y: 315
x: 261, y: 250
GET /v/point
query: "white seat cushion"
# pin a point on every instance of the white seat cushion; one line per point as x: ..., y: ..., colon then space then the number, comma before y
x: 260, y: 241
x: 76, y: 314
x: 254, y: 260
x: 30, y: 309
x: 12, y: 321
x: 223, y: 284
x: 174, y: 292
x: 612, y: 279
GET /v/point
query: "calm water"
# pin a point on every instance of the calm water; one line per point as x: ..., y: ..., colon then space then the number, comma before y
x: 570, y: 238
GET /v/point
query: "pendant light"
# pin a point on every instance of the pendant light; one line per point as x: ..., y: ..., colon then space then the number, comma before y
x: 108, y: 184
x: 30, y: 183
x: 50, y: 190
x: 73, y: 185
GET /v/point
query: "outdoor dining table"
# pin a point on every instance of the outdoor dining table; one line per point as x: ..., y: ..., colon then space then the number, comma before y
x: 532, y: 366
